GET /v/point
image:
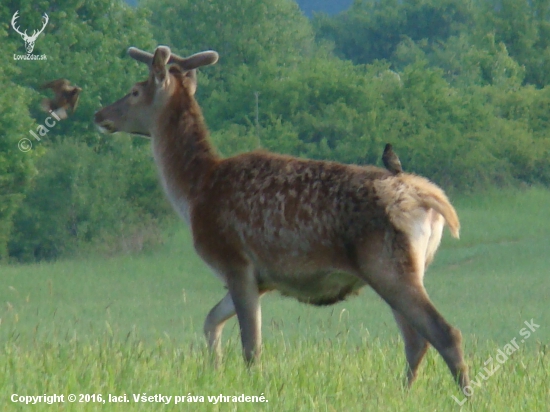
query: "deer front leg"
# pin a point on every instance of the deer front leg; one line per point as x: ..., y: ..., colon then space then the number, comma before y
x: 214, y: 323
x: 245, y: 295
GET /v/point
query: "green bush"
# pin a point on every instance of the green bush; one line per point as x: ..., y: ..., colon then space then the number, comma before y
x: 81, y: 197
x: 16, y: 164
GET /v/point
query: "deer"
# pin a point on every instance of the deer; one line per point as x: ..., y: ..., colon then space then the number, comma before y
x: 29, y: 40
x: 314, y: 230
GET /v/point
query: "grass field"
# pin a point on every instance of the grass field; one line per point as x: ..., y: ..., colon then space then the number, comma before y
x: 133, y: 325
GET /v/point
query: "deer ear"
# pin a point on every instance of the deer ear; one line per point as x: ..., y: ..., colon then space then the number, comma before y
x: 190, y: 81
x: 158, y: 67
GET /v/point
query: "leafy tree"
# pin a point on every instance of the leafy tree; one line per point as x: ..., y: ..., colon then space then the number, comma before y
x: 371, y: 30
x: 463, y: 63
x: 16, y: 164
x: 88, y: 186
x: 86, y: 43
x: 257, y: 42
x: 459, y: 88
x: 326, y: 6
x: 244, y: 32
x: 98, y: 198
x: 524, y: 27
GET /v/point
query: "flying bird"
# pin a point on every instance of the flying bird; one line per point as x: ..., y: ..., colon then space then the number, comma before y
x: 391, y: 161
x: 66, y: 96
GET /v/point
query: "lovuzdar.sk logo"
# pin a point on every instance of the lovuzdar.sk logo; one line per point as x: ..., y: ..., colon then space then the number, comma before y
x: 29, y: 39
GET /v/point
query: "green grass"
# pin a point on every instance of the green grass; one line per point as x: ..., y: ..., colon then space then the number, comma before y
x: 133, y: 324
x: 320, y: 375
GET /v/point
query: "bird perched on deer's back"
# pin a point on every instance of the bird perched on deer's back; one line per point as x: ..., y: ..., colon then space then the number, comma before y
x: 66, y: 96
x: 391, y: 161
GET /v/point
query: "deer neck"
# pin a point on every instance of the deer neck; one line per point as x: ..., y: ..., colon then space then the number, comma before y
x: 183, y: 152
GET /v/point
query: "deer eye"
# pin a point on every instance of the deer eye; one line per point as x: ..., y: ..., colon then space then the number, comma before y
x: 135, y: 93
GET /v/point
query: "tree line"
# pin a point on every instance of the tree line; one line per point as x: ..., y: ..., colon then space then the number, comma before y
x: 459, y: 87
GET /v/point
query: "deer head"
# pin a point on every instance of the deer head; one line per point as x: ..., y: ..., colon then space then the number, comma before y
x: 29, y: 40
x: 138, y: 111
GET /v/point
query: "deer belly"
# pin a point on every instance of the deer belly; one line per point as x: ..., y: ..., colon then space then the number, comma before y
x: 316, y: 289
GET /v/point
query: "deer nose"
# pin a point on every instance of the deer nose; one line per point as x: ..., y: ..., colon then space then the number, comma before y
x: 102, y: 124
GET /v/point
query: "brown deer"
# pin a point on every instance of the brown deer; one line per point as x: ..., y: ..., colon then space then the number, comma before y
x: 317, y: 231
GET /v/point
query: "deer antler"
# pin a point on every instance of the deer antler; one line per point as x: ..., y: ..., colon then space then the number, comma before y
x: 192, y: 62
x: 13, y: 22
x: 35, y: 34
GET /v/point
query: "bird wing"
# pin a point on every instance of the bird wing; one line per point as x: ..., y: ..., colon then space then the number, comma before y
x: 46, y: 105
x: 56, y: 85
x: 61, y: 113
x: 398, y: 165
x: 74, y: 100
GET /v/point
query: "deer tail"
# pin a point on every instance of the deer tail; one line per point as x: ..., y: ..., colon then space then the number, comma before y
x: 406, y: 195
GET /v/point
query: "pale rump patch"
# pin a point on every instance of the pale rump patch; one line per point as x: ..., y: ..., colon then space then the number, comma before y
x: 436, y: 224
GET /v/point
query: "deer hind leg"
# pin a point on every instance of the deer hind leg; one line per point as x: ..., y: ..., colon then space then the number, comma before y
x: 415, y: 346
x: 396, y: 275
x: 214, y: 323
x: 412, y: 303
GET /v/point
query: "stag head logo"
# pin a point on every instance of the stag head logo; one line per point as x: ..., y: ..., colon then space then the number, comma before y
x: 29, y: 40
